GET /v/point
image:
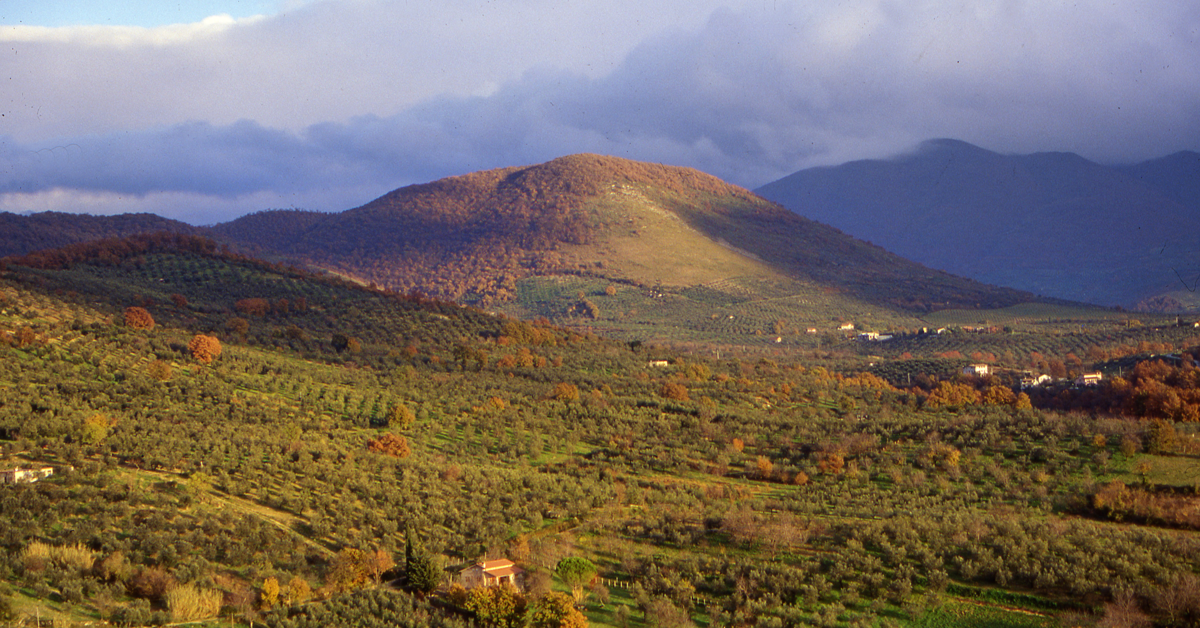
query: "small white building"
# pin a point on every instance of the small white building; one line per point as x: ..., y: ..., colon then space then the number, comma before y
x: 1033, y: 381
x: 846, y: 327
x: 659, y: 363
x: 976, y: 369
x: 1089, y: 379
x: 17, y: 474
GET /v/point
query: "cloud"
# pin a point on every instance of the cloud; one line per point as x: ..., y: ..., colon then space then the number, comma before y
x: 321, y: 61
x: 749, y: 94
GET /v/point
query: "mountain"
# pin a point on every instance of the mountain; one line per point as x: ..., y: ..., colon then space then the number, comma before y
x: 49, y: 230
x: 1050, y: 223
x: 474, y: 237
x: 637, y: 250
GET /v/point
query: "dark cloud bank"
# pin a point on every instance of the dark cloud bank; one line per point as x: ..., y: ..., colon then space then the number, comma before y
x: 749, y: 98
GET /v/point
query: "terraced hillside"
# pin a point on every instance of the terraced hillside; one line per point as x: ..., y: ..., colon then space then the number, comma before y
x: 275, y: 482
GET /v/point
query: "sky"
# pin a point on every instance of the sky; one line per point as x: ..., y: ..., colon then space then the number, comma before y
x: 205, y: 110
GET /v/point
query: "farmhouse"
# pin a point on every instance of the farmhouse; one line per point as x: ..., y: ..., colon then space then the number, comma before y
x: 1033, y: 381
x: 1089, y: 379
x: 491, y: 573
x: 976, y: 369
x: 846, y: 327
x: 17, y: 474
x: 659, y: 363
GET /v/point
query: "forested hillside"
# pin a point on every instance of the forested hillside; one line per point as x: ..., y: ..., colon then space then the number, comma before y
x: 235, y: 441
x: 474, y: 237
x: 51, y: 230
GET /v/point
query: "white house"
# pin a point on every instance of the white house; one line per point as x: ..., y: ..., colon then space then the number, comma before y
x: 17, y: 474
x: 1033, y: 381
x: 976, y: 369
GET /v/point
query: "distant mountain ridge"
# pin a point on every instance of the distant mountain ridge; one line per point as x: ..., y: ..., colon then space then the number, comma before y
x: 1054, y: 224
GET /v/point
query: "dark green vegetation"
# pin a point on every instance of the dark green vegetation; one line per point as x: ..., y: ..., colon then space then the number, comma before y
x: 1054, y: 224
x: 276, y: 483
x: 49, y: 230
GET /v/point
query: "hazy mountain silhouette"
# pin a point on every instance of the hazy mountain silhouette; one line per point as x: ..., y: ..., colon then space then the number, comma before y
x: 1052, y: 223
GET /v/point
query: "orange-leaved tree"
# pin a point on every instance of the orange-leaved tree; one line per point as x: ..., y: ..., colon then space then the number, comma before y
x: 204, y: 348
x: 390, y: 444
x: 138, y: 318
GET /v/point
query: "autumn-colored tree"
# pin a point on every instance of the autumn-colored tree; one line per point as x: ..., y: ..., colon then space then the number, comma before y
x: 497, y: 607
x: 564, y: 391
x: 390, y: 445
x: 1162, y: 438
x: 253, y: 307
x: 765, y: 467
x: 999, y: 396
x: 159, y: 370
x: 298, y: 590
x: 204, y: 348
x: 269, y: 595
x: 673, y: 391
x: 238, y: 325
x: 179, y: 300
x: 941, y: 456
x: 377, y: 562
x: 347, y: 570
x: 96, y: 428
x: 400, y: 417
x: 831, y: 462
x: 138, y: 318
x: 556, y: 610
x: 952, y: 396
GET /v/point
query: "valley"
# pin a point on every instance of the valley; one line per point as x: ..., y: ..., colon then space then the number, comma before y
x: 716, y: 477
